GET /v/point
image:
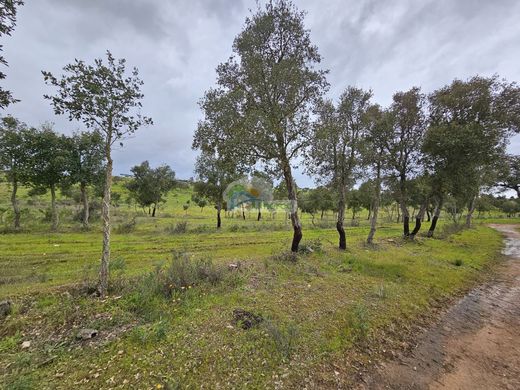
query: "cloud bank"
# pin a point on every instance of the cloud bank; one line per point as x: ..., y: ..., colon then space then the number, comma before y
x: 376, y: 44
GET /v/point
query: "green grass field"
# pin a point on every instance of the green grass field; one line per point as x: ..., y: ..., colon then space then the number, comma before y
x: 326, y: 315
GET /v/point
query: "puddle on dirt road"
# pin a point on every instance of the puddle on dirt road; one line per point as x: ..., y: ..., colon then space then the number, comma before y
x: 475, y: 345
x: 512, y: 240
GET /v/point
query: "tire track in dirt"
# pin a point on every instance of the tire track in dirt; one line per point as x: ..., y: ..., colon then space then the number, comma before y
x: 476, y: 343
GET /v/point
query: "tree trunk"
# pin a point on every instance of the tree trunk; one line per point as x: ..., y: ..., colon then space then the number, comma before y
x: 153, y: 210
x: 436, y: 215
x: 398, y: 213
x: 54, y: 211
x: 428, y: 215
x: 16, y: 206
x: 402, y: 204
x: 105, y: 256
x: 471, y: 209
x: 291, y: 195
x: 369, y: 213
x: 259, y: 217
x: 341, y: 219
x: 418, y: 219
x: 322, y: 212
x: 375, y: 207
x: 219, y: 220
x: 84, y: 199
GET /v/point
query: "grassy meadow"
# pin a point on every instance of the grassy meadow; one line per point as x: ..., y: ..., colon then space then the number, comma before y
x: 169, y: 320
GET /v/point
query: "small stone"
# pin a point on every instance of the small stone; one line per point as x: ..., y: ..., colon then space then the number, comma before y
x: 86, y: 334
x: 26, y: 344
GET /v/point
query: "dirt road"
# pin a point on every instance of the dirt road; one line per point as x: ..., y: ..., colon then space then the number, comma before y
x: 476, y: 343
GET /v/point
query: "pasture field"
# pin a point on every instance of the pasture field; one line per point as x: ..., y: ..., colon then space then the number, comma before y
x: 326, y: 315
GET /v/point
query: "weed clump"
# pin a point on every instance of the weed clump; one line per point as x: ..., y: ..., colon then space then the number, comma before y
x: 284, y: 339
x: 358, y: 323
x: 180, y: 275
x: 450, y: 229
x: 184, y: 272
x: 285, y: 257
x: 245, y: 319
x: 311, y: 246
x: 178, y: 228
x: 457, y: 262
x: 127, y: 227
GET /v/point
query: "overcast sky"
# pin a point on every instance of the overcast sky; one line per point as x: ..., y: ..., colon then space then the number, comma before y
x: 383, y: 45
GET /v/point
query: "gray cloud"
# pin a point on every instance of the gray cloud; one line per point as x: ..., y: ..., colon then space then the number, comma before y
x: 386, y: 46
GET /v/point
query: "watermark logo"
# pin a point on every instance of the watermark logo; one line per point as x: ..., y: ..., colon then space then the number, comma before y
x: 256, y: 192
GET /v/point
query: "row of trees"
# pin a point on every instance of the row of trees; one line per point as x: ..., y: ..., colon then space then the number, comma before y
x: 318, y: 201
x: 269, y: 110
x: 47, y: 161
